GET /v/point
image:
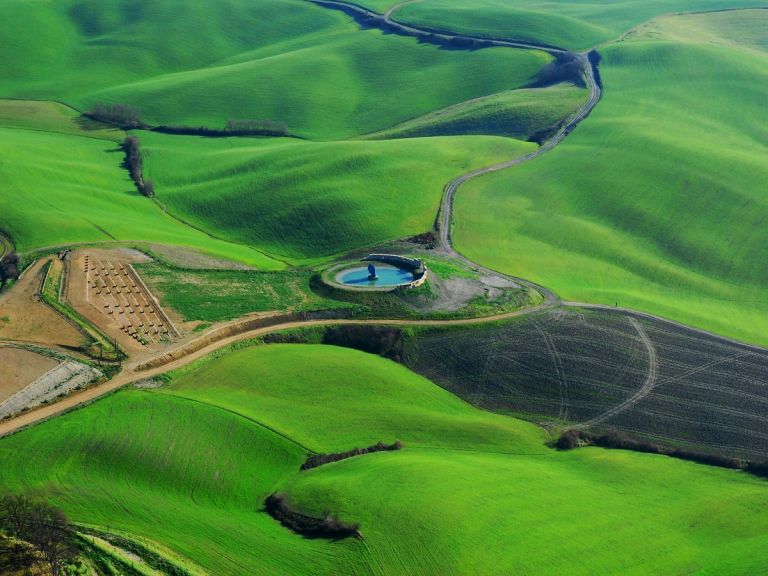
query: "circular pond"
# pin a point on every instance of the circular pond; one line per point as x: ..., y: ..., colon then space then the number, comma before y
x: 386, y: 275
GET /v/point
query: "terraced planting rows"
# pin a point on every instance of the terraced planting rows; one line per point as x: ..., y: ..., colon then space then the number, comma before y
x: 190, y: 463
x: 608, y: 369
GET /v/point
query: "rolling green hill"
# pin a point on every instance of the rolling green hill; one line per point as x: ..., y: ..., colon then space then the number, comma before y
x: 524, y: 114
x: 306, y: 201
x: 64, y: 184
x: 189, y: 464
x: 289, y: 61
x: 576, y: 25
x: 658, y: 201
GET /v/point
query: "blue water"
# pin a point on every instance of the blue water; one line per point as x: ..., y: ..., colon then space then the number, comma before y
x: 387, y: 276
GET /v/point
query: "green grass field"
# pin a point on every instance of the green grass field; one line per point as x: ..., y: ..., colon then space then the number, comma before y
x: 308, y: 201
x: 576, y: 25
x: 188, y: 465
x: 216, y: 295
x: 522, y: 114
x: 293, y: 61
x: 64, y: 188
x: 656, y: 202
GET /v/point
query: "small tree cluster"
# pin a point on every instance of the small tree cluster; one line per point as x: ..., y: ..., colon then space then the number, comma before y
x: 122, y: 115
x: 320, y: 459
x: 566, y: 67
x: 43, y: 527
x: 132, y: 149
x: 9, y: 268
x: 328, y: 526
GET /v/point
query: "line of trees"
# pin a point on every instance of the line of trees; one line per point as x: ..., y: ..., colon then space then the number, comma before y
x: 121, y: 115
x: 37, y: 535
x: 132, y: 149
x: 128, y: 118
x: 316, y: 460
x: 232, y: 128
x: 9, y: 268
x: 575, y: 438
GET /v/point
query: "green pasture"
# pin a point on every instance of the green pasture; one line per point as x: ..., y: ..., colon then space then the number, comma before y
x: 332, y: 399
x: 571, y: 24
x: 189, y: 464
x: 61, y: 188
x: 657, y: 202
x: 290, y: 61
x: 308, y: 201
x: 216, y: 295
x: 524, y: 114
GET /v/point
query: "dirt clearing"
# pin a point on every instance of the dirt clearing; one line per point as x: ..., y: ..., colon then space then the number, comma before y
x: 23, y: 317
x: 20, y: 367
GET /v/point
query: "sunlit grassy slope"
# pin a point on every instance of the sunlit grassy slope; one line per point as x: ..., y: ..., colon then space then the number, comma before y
x: 60, y: 188
x: 658, y: 201
x: 524, y: 114
x: 310, y: 200
x: 284, y: 60
x: 188, y: 465
x: 576, y: 25
x: 53, y: 117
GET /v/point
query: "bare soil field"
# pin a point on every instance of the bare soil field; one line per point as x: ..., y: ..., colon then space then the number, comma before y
x: 23, y: 317
x: 19, y: 367
x: 606, y: 369
x: 103, y: 286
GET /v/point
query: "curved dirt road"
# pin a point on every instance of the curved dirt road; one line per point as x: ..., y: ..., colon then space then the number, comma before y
x: 133, y: 373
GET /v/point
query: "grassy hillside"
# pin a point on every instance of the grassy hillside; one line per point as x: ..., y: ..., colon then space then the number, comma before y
x: 293, y: 61
x: 593, y: 512
x: 61, y: 188
x: 577, y: 25
x: 657, y: 202
x: 188, y: 465
x: 331, y: 399
x: 523, y: 114
x: 189, y: 476
x: 307, y: 200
